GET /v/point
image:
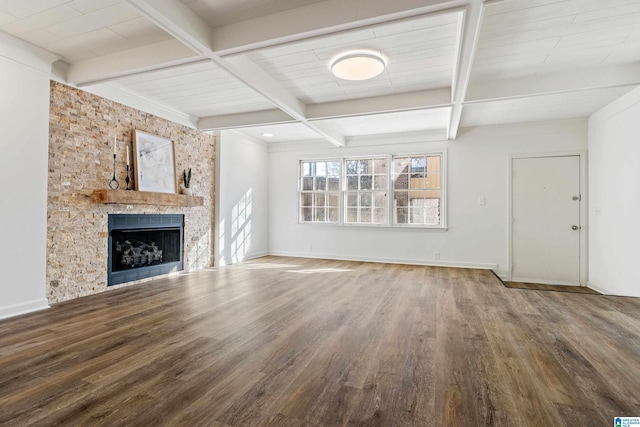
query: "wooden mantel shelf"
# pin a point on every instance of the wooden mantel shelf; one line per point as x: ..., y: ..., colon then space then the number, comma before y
x: 145, y: 198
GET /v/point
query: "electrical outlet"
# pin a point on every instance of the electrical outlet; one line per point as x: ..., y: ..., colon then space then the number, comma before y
x: 481, y: 201
x: 436, y: 255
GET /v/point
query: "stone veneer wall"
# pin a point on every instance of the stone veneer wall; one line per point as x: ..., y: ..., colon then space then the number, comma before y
x: 82, y: 127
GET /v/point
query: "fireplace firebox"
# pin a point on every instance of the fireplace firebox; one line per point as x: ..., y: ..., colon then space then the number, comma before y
x: 142, y: 246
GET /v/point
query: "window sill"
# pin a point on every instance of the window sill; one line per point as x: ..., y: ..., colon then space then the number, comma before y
x: 372, y: 227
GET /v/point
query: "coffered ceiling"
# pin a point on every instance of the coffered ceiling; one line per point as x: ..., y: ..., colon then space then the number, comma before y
x: 262, y: 66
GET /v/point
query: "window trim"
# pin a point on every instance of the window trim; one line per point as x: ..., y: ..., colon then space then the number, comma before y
x: 344, y: 190
x: 300, y: 191
x: 443, y: 188
x: 443, y: 226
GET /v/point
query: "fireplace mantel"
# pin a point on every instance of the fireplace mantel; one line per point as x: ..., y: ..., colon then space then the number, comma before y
x: 146, y: 198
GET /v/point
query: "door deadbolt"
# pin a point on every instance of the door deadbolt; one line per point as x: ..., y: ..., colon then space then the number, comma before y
x: 575, y: 227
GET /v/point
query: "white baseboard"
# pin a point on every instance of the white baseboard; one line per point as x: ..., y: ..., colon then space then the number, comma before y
x: 503, y: 275
x: 598, y: 288
x: 256, y: 255
x: 432, y: 263
x: 544, y: 281
x: 27, y: 307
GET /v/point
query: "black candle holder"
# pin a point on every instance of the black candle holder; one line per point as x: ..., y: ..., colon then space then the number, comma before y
x: 128, y: 179
x: 114, y: 184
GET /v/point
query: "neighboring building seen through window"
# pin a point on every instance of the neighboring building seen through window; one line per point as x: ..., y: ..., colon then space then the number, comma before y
x: 417, y: 191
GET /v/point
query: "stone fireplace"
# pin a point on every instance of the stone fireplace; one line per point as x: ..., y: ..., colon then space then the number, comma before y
x: 81, y: 132
x: 143, y: 246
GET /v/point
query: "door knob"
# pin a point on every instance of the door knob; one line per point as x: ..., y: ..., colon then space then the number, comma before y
x: 575, y: 227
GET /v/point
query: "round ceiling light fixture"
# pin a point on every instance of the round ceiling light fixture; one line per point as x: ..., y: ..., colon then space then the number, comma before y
x: 358, y: 66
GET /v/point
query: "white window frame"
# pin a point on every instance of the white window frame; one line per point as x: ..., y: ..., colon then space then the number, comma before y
x: 345, y: 190
x: 300, y: 191
x: 443, y: 226
x: 443, y: 189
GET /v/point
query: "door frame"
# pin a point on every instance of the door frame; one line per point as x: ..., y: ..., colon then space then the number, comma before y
x: 584, y: 219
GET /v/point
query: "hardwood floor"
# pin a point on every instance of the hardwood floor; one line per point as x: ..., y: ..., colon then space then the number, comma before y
x: 293, y: 342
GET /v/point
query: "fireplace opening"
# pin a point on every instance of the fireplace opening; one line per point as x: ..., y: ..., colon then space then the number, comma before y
x: 142, y: 246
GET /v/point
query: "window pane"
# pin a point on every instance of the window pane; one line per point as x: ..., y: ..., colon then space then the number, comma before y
x: 307, y: 184
x: 321, y: 169
x: 333, y: 169
x: 352, y: 183
x: 333, y: 184
x: 432, y: 180
x: 306, y: 169
x: 352, y: 200
x: 401, y: 215
x: 319, y: 199
x: 351, y: 167
x: 401, y: 182
x: 365, y: 182
x: 365, y: 215
x: 418, y: 166
x: 365, y: 199
x: 332, y: 199
x: 307, y: 199
x: 319, y: 214
x: 380, y: 215
x: 321, y: 183
x: 401, y: 165
x: 380, y: 166
x: 380, y: 200
x: 401, y: 198
x: 307, y: 214
x: 332, y: 215
x: 352, y: 215
x: 380, y: 182
x: 365, y: 166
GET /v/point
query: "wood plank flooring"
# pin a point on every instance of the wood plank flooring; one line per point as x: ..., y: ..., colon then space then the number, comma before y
x: 299, y: 342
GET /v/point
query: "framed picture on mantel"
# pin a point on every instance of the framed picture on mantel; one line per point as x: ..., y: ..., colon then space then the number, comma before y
x: 154, y: 162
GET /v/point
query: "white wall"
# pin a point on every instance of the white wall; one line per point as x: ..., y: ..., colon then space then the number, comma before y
x: 477, y: 164
x: 24, y: 138
x: 614, y: 194
x: 241, y: 199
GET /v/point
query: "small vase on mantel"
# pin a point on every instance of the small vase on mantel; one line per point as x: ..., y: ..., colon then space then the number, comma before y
x: 186, y: 179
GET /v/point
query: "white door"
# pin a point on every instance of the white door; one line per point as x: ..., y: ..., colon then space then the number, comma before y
x: 546, y: 220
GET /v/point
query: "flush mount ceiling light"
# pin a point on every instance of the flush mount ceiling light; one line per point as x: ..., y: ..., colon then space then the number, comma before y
x: 267, y: 135
x: 358, y: 66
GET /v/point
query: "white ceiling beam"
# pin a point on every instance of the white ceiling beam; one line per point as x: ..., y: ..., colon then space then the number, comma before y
x: 178, y: 20
x: 254, y: 76
x: 381, y: 104
x: 319, y: 19
x: 181, y: 22
x: 239, y: 120
x: 26, y: 53
x: 117, y: 93
x: 566, y: 81
x: 467, y: 44
x: 155, y: 57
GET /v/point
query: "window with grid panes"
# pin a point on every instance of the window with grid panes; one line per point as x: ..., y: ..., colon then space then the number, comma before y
x: 319, y: 191
x: 417, y: 191
x: 365, y: 195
